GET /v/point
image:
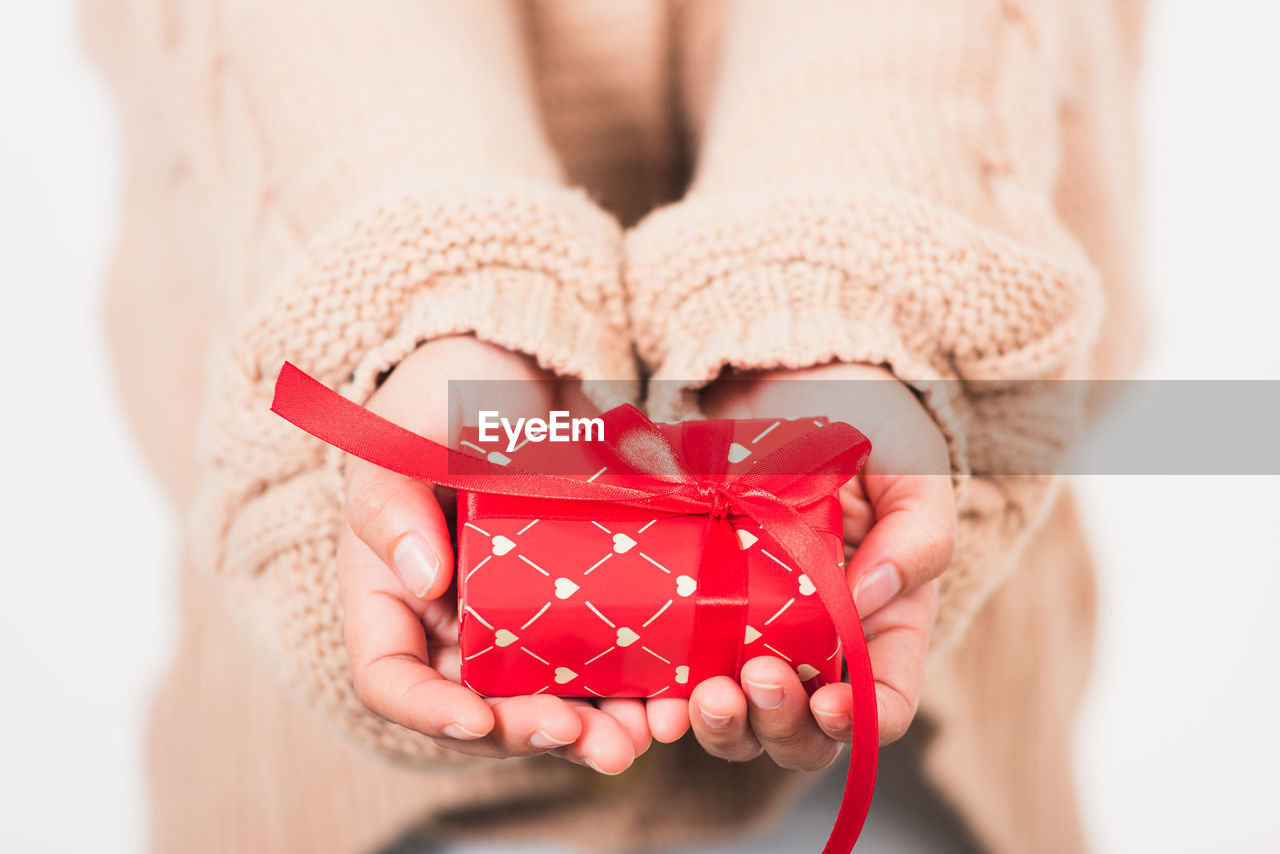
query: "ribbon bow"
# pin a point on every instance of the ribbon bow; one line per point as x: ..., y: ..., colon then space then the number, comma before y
x: 788, y: 493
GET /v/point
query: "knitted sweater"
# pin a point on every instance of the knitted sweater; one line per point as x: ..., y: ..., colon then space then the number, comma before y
x: 942, y: 188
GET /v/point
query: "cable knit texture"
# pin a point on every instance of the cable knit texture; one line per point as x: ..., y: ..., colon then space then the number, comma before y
x: 848, y: 205
x: 941, y: 187
x: 530, y: 268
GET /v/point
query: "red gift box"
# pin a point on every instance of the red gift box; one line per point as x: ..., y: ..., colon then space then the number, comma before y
x: 678, y: 561
x: 606, y: 606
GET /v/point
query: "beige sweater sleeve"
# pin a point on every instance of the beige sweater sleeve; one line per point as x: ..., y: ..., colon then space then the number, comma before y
x: 390, y: 184
x: 875, y: 182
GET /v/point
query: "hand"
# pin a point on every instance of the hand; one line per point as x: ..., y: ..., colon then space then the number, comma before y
x: 900, y: 534
x: 395, y: 569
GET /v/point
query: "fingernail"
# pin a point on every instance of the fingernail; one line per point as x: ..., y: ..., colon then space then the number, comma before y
x: 877, y: 588
x: 541, y: 740
x: 417, y: 563
x: 461, y: 733
x: 715, y: 721
x: 764, y: 696
x: 594, y: 767
x: 834, y: 720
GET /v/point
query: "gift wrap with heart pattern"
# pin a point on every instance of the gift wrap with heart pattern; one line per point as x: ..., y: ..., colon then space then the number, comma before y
x: 606, y: 607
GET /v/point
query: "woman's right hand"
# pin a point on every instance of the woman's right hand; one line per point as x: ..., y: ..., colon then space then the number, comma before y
x: 395, y: 568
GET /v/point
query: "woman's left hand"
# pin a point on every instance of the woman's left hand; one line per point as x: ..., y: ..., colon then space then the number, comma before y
x: 899, y: 523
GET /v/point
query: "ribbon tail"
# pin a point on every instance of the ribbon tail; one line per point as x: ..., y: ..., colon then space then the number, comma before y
x: 348, y: 426
x: 806, y: 548
x: 860, y: 782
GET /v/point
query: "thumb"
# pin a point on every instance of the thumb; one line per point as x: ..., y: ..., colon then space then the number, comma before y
x: 401, y: 521
x: 912, y: 542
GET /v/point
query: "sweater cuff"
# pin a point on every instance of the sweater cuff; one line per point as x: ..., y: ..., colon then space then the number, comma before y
x: 795, y: 276
x: 531, y: 268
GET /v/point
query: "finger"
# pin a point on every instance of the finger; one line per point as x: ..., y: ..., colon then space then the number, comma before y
x: 399, y: 519
x: 832, y: 708
x: 631, y: 715
x: 440, y: 619
x: 912, y: 542
x: 668, y: 718
x: 778, y: 709
x: 858, y: 515
x: 387, y: 647
x: 603, y: 745
x: 898, y: 641
x: 718, y: 715
x: 524, y: 726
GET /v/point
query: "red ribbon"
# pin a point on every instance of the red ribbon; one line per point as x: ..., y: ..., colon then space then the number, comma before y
x: 788, y: 493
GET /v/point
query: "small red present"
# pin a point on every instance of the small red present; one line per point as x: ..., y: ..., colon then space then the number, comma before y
x: 691, y: 547
x: 606, y: 606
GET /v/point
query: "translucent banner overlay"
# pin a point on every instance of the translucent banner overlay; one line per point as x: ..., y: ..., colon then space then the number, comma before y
x: 1137, y: 427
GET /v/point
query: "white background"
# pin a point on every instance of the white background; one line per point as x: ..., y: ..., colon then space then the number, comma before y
x: 1179, y: 744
